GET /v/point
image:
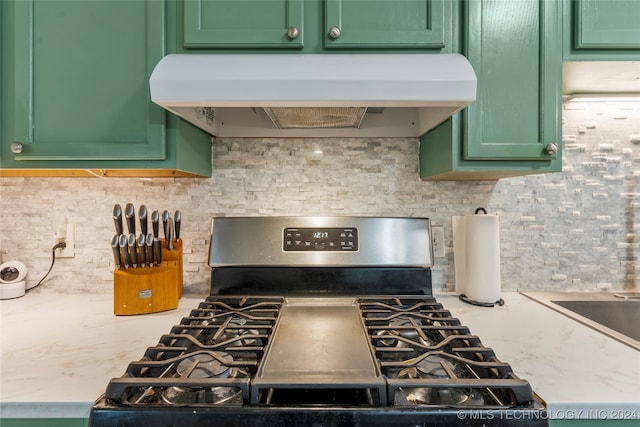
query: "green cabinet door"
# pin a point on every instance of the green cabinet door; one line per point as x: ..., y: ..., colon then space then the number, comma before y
x: 75, y: 80
x: 390, y: 24
x: 601, y: 30
x: 606, y: 24
x: 243, y: 23
x: 74, y: 91
x: 515, y: 50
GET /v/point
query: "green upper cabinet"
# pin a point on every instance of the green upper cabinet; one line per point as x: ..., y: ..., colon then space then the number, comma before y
x: 384, y: 24
x: 312, y: 26
x: 515, y: 50
x: 513, y: 127
x: 80, y: 70
x: 75, y: 88
x: 602, y: 29
x: 243, y: 23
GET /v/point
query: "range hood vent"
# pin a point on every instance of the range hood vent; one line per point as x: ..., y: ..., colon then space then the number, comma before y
x: 315, y: 117
x: 332, y: 95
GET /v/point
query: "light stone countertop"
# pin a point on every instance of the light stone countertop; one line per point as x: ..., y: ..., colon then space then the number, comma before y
x: 579, y: 372
x: 59, y: 351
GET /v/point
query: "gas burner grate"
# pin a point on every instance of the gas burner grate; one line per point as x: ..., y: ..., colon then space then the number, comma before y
x: 429, y: 358
x: 208, y: 359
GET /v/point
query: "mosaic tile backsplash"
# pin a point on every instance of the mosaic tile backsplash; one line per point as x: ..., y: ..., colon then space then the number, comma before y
x: 578, y: 229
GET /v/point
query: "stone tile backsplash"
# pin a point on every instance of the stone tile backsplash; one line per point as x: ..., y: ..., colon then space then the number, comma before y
x: 578, y: 229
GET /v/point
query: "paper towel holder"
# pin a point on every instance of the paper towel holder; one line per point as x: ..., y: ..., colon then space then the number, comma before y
x: 466, y: 299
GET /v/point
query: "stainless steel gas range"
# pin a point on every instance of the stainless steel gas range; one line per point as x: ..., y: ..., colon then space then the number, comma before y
x: 324, y: 321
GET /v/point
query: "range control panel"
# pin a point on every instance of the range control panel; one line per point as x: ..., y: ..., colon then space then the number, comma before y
x: 320, y: 239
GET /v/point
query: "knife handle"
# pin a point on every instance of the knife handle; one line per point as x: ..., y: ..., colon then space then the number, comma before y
x: 155, y: 218
x: 116, y: 251
x: 117, y: 218
x: 142, y: 215
x: 177, y: 221
x: 169, y: 239
x: 142, y: 252
x: 130, y: 216
x: 150, y: 249
x: 124, y: 252
x: 165, y: 220
x: 157, y: 251
x: 131, y: 242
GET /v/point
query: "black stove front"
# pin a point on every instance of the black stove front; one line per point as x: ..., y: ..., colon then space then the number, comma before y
x: 326, y: 346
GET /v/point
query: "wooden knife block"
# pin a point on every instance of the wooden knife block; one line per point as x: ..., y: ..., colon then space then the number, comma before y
x: 150, y: 289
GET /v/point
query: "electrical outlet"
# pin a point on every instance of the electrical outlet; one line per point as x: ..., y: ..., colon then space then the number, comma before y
x: 69, y: 238
x: 437, y: 235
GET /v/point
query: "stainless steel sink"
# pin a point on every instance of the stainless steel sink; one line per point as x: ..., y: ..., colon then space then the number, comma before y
x: 616, y: 315
x: 622, y: 316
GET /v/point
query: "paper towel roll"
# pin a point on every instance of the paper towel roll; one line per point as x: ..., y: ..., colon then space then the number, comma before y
x: 482, y: 256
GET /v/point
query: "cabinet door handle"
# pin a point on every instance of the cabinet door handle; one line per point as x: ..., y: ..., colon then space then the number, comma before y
x: 551, y: 148
x: 16, y: 147
x: 334, y: 32
x: 292, y: 32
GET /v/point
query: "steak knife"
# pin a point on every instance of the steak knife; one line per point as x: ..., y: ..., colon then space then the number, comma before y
x: 142, y: 215
x: 116, y: 251
x: 117, y: 218
x: 130, y: 216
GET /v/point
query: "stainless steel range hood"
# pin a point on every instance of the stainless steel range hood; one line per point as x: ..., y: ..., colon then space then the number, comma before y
x: 332, y: 95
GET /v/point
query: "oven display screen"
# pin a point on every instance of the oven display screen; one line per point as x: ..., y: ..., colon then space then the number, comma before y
x: 320, y: 239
